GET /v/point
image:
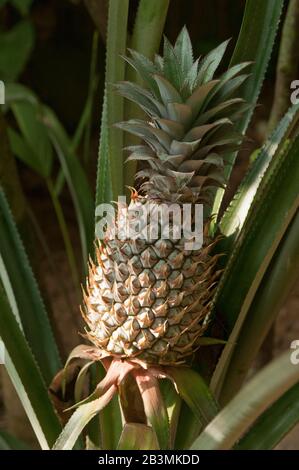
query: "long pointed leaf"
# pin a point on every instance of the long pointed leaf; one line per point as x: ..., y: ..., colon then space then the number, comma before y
x: 75, y: 176
x: 267, y: 222
x: 234, y: 217
x: 255, y: 43
x: 195, y: 392
x: 24, y: 296
x: 104, y: 192
x: 146, y: 37
x: 241, y: 412
x: 112, y: 149
x: 173, y: 404
x: 276, y: 285
x: 81, y: 417
x: 201, y: 405
x: 28, y: 116
x: 26, y: 378
x: 274, y: 423
x: 137, y: 436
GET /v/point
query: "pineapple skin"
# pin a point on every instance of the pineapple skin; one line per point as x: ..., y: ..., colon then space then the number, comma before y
x: 149, y: 298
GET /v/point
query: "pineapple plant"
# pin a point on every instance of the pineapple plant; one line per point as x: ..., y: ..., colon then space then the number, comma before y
x: 150, y: 298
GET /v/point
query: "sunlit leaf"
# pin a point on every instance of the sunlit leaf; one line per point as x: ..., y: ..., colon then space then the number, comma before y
x: 26, y: 378
x: 266, y: 223
x: 137, y: 437
x: 254, y: 398
x: 81, y: 417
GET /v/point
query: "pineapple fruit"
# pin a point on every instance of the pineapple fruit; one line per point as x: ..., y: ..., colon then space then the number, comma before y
x: 150, y: 299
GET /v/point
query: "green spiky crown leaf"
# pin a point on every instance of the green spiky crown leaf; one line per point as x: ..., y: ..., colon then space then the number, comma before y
x: 191, y: 120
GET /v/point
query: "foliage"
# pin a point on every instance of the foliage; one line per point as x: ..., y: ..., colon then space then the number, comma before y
x: 260, y: 242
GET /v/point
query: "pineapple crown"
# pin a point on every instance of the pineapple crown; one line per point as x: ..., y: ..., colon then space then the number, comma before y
x: 190, y: 124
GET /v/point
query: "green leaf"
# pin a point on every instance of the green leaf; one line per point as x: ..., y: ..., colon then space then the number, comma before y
x: 173, y: 403
x: 172, y: 67
x: 76, y: 180
x: 201, y: 405
x: 235, y: 215
x: 145, y: 41
x: 110, y: 417
x: 80, y: 381
x: 266, y: 223
x: 274, y: 423
x: 137, y: 436
x: 148, y: 27
x: 75, y: 176
x: 15, y: 46
x: 26, y: 378
x: 17, y: 92
x: 90, y: 445
x: 195, y: 392
x: 187, y: 420
x: 275, y: 286
x: 22, y: 150
x: 94, y: 429
x: 255, y: 44
x: 210, y: 63
x: 184, y: 51
x: 104, y: 192
x: 115, y: 71
x: 168, y: 93
x: 141, y: 96
x: 241, y: 412
x: 80, y: 418
x: 110, y: 424
x: 24, y: 296
x: 9, y: 442
x: 142, y: 70
x: 28, y: 117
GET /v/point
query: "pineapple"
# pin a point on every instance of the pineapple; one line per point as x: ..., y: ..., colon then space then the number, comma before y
x: 146, y: 298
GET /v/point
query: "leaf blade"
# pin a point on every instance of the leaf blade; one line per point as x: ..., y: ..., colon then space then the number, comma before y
x: 26, y: 378
x: 23, y: 294
x: 255, y: 247
x: 254, y: 44
x: 80, y: 418
x: 137, y: 436
x: 255, y: 397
